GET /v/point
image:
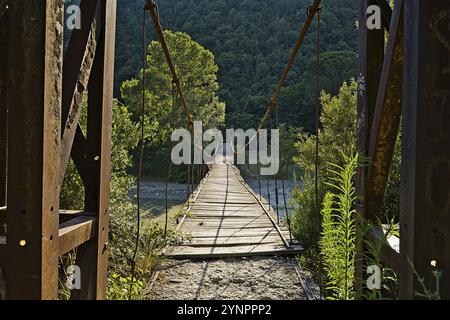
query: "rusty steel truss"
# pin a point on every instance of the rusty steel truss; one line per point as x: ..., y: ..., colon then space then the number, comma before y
x: 407, y: 81
x: 41, y: 96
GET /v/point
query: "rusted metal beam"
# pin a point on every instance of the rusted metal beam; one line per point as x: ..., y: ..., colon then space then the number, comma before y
x: 389, y: 256
x: 425, y: 184
x: 77, y: 68
x: 3, y: 126
x: 92, y: 255
x: 35, y: 78
x: 371, y: 56
x: 75, y: 232
x: 3, y: 99
x: 84, y: 158
x: 386, y: 119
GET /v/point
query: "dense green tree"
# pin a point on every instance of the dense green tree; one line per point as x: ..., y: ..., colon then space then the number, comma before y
x: 197, y: 72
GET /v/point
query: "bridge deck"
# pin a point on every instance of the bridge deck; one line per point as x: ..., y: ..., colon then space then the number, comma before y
x: 227, y: 220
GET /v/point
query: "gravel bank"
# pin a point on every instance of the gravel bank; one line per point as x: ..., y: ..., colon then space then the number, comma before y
x: 252, y: 278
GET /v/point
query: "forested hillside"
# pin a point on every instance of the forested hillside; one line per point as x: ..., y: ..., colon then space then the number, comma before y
x: 251, y: 41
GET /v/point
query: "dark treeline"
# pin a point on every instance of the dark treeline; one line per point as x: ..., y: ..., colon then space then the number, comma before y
x: 251, y: 40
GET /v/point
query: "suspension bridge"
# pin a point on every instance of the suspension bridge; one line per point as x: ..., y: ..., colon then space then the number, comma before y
x: 226, y: 218
x: 403, y: 79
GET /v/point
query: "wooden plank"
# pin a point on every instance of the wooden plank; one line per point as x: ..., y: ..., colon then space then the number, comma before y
x: 215, y: 229
x: 234, y: 233
x: 93, y: 254
x: 257, y: 217
x: 204, y: 207
x: 72, y: 233
x: 234, y: 203
x: 35, y: 71
x: 221, y: 241
x: 425, y: 183
x: 75, y: 232
x: 225, y: 206
x: 225, y: 199
x: 186, y: 252
x: 223, y: 195
x: 71, y: 212
x: 61, y: 212
x: 230, y: 243
x: 225, y: 212
x: 200, y: 216
x: 238, y: 223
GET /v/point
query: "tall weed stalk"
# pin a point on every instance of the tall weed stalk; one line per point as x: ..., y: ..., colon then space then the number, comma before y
x: 338, y: 237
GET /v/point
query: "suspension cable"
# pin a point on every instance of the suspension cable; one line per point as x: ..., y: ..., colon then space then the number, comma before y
x: 277, y: 206
x: 166, y: 222
x: 259, y: 180
x: 153, y: 8
x: 188, y: 194
x: 141, y: 152
x: 318, y: 112
x: 316, y: 164
x: 268, y: 194
x: 286, y: 211
x: 273, y: 101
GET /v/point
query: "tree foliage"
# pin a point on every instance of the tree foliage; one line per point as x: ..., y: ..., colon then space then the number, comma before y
x: 252, y: 40
x: 197, y: 72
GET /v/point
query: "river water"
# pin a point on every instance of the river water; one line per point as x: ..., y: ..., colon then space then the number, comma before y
x: 288, y: 186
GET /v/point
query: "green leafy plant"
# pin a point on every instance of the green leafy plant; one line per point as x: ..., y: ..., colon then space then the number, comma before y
x: 119, y: 287
x: 152, y: 243
x: 338, y: 238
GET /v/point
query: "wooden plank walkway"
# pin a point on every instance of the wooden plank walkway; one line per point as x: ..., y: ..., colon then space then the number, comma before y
x: 227, y: 220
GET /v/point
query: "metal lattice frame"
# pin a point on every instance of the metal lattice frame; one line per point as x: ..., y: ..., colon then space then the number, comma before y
x: 409, y: 80
x: 43, y: 103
